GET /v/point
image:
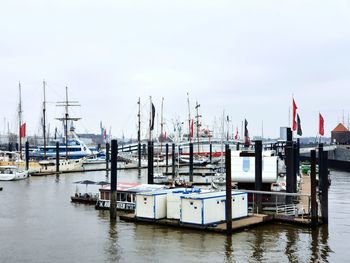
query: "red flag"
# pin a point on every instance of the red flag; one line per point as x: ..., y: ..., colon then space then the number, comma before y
x: 321, y: 125
x: 104, y: 134
x: 294, y: 115
x: 23, y: 130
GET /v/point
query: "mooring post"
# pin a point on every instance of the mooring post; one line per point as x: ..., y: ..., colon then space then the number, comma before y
x: 258, y: 174
x: 57, y: 158
x: 228, y: 207
x: 296, y: 166
x: 324, y: 184
x: 166, y: 157
x: 289, y: 161
x: 173, y: 160
x: 314, y: 209
x: 320, y: 165
x: 150, y: 162
x: 107, y: 159
x: 139, y: 154
x: 237, y: 146
x: 191, y: 162
x: 27, y: 155
x: 114, y: 159
x: 210, y: 152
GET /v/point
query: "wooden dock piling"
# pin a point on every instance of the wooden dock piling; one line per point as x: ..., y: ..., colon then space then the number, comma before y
x: 150, y: 162
x: 114, y: 157
x: 314, y: 209
x: 166, y: 157
x: 107, y: 159
x: 258, y: 174
x: 228, y: 204
x: 173, y: 160
x: 289, y: 152
x: 57, y: 158
x: 27, y: 155
x: 323, y: 187
x: 139, y: 154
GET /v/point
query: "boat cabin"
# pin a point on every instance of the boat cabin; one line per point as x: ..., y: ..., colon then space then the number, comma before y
x: 126, y: 195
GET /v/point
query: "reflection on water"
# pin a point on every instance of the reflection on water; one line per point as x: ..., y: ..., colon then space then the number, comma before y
x: 39, y: 224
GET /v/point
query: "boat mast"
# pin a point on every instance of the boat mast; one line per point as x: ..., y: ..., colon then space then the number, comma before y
x: 66, y: 117
x: 44, y: 119
x: 139, y: 122
x: 66, y: 123
x: 20, y: 120
x: 189, y: 118
x: 198, y: 124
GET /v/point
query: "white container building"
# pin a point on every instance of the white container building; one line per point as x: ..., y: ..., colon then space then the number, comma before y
x: 209, y: 208
x: 153, y: 205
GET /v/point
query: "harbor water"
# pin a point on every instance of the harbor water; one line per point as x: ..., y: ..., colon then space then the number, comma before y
x: 38, y: 223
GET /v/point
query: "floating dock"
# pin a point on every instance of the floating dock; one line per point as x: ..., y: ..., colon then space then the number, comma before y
x: 241, y: 224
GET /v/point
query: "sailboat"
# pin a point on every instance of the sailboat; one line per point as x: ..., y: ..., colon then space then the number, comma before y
x: 71, y: 147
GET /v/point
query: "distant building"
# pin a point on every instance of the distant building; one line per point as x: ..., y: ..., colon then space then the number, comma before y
x: 340, y: 135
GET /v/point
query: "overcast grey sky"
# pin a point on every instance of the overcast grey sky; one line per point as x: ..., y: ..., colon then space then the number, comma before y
x: 247, y: 57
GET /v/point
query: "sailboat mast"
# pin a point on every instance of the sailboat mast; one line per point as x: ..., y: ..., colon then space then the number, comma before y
x: 139, y: 122
x: 189, y: 118
x: 20, y: 120
x: 66, y: 122
x: 44, y: 119
x: 198, y: 124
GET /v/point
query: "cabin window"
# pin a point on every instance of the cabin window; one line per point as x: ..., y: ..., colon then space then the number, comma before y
x: 191, y: 203
x: 118, y: 197
x: 233, y: 199
x: 145, y: 199
x: 123, y: 197
x: 217, y: 202
x: 128, y: 198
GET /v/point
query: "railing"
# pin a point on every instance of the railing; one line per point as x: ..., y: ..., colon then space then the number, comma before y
x: 280, y: 203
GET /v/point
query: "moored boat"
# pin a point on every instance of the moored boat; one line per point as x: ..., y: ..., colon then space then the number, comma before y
x: 12, y: 173
x: 126, y: 195
x: 86, y: 198
x: 49, y: 166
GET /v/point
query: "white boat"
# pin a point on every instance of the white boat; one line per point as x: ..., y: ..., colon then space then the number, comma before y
x: 12, y: 173
x: 49, y: 166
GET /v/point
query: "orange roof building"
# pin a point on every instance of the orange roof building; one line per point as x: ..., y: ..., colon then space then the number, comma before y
x: 340, y: 134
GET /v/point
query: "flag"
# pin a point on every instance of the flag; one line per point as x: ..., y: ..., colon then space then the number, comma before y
x: 236, y: 136
x: 321, y: 125
x: 23, y: 130
x: 294, y: 115
x: 105, y: 134
x: 152, y: 117
x: 299, y: 130
x: 246, y: 134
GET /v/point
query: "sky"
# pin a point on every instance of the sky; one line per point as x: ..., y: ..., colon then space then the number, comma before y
x: 247, y: 58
